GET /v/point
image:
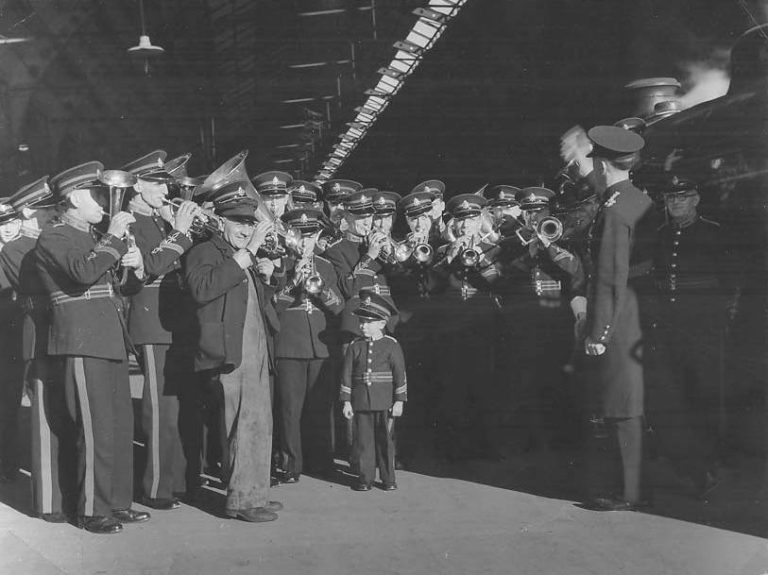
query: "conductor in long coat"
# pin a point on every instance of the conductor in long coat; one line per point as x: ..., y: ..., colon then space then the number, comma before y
x: 613, y: 333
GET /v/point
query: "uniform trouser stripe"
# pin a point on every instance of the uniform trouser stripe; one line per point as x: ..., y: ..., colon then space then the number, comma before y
x: 154, y: 435
x: 44, y: 436
x: 87, y: 422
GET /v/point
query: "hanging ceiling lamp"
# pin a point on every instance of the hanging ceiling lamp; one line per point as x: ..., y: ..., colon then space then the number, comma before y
x: 145, y: 49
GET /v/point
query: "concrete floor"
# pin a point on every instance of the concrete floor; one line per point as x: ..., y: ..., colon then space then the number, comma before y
x: 437, y: 523
x: 514, y: 516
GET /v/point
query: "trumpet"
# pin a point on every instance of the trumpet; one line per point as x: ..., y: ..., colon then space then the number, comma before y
x: 313, y: 284
x: 203, y: 223
x: 469, y: 257
x: 550, y: 228
x: 412, y: 247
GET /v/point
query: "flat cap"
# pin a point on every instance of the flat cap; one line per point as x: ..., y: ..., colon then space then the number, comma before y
x: 466, y: 205
x: 38, y: 194
x: 534, y: 198
x: 502, y: 195
x: 435, y: 187
x: 612, y: 142
x: 336, y: 190
x: 303, y: 192
x: 385, y: 202
x: 272, y: 183
x: 416, y: 203
x: 79, y: 176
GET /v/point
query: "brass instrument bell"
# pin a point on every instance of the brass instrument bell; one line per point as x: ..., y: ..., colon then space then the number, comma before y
x: 550, y: 228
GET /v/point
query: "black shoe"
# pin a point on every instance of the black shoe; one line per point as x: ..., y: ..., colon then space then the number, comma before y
x: 57, y: 517
x: 130, y: 516
x: 389, y: 486
x: 362, y: 486
x: 611, y: 504
x: 274, y: 506
x: 100, y: 525
x: 290, y: 478
x: 161, y: 503
x: 253, y: 515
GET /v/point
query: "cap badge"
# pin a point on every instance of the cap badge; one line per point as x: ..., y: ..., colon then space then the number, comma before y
x: 675, y: 180
x: 381, y: 201
x: 364, y: 199
x: 275, y: 181
x: 416, y: 202
x: 5, y: 209
x: 464, y: 205
x: 532, y: 198
x: 302, y: 189
x: 336, y: 187
x: 240, y: 192
x: 159, y: 163
x: 367, y: 300
x: 303, y: 219
x: 427, y: 189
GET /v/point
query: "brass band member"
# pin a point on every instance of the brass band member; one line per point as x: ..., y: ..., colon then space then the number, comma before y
x: 156, y: 318
x: 87, y: 337
x: 232, y: 289
x: 52, y: 436
x: 613, y: 334
x: 464, y: 274
x: 11, y: 364
x: 695, y: 285
x: 305, y: 195
x: 421, y: 318
x: 305, y: 381
x: 437, y: 189
x: 356, y: 258
x: 334, y: 192
x: 538, y: 286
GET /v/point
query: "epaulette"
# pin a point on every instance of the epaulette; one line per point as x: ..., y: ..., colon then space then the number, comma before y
x: 708, y: 221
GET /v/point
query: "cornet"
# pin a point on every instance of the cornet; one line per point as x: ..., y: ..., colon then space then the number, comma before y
x: 470, y: 256
x: 413, y: 247
x: 313, y: 284
x: 202, y: 224
x: 550, y: 229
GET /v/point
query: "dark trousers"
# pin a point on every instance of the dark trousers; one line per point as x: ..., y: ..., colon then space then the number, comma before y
x: 52, y: 442
x: 11, y: 384
x: 98, y: 396
x: 305, y: 413
x: 374, y: 446
x: 625, y: 438
x: 685, y: 396
x: 164, y: 471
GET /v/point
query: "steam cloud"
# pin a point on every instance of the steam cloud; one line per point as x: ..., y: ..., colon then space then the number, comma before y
x: 707, y: 79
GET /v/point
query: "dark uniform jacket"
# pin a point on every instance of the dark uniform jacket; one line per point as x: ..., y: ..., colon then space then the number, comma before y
x: 546, y: 274
x: 304, y: 318
x: 373, y: 376
x: 17, y: 259
x: 158, y: 310
x: 611, y: 247
x: 219, y: 288
x: 691, y: 260
x: 355, y: 271
x: 76, y: 272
